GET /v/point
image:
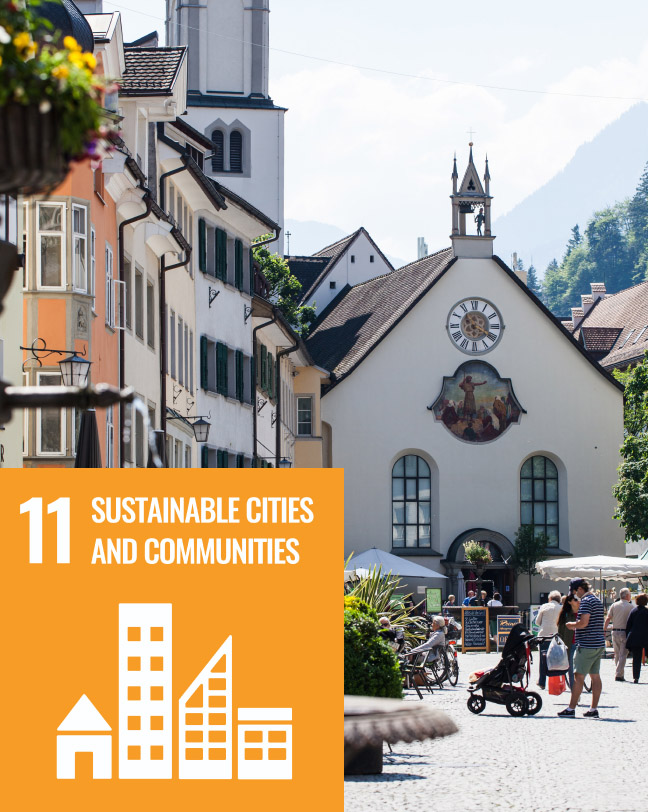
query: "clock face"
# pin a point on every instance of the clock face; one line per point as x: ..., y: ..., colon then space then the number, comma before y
x: 475, y: 326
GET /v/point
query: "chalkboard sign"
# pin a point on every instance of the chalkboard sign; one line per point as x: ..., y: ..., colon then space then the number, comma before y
x: 474, y: 632
x: 504, y: 625
x: 432, y: 601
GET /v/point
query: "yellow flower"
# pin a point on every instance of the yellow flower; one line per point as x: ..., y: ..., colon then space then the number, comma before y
x: 22, y: 40
x: 90, y: 61
x: 71, y: 44
x: 0, y: 60
x: 60, y: 72
x: 76, y: 59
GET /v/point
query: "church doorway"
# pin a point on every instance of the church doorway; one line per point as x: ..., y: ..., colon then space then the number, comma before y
x: 499, y: 577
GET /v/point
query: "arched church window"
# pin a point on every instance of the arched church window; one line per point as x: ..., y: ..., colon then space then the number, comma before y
x: 539, y: 497
x: 218, y: 159
x: 411, y: 502
x: 236, y: 151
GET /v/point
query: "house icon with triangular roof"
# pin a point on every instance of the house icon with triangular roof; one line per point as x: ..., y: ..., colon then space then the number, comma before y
x: 84, y: 730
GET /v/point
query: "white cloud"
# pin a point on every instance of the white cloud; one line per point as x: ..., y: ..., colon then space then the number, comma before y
x: 373, y: 150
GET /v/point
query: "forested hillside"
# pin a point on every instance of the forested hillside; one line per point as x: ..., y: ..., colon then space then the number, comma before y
x: 612, y: 249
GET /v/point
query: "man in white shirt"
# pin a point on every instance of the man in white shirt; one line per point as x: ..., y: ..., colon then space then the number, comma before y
x: 547, y: 620
x: 618, y: 616
x: 496, y: 600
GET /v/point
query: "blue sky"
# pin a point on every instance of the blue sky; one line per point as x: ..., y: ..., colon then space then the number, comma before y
x: 372, y: 148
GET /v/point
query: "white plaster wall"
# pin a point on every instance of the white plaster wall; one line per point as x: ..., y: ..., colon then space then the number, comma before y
x: 11, y: 334
x: 264, y: 189
x: 345, y: 272
x: 574, y: 416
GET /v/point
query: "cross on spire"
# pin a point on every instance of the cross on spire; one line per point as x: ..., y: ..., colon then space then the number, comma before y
x: 471, y: 132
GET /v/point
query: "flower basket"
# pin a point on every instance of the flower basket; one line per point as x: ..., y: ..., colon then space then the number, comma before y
x: 477, y: 555
x: 31, y: 159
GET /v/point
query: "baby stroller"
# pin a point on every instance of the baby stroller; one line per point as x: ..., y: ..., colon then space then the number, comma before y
x: 498, y: 684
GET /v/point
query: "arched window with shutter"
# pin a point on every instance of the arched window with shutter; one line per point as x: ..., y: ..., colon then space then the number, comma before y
x: 236, y: 151
x: 218, y: 159
x: 539, y: 497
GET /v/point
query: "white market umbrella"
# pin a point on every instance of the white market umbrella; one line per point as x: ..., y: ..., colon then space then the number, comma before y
x: 601, y: 566
x: 373, y: 558
x: 351, y: 575
x: 461, y: 588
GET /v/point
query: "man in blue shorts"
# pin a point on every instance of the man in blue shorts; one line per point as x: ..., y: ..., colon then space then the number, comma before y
x: 590, y: 647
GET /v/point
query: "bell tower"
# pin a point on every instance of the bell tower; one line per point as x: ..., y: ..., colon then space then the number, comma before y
x: 471, y: 212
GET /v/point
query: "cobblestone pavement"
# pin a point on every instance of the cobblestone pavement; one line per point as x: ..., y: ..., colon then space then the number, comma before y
x: 536, y: 763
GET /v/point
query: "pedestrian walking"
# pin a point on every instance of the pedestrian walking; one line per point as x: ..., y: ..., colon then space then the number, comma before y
x: 637, y: 629
x: 568, y: 614
x: 590, y: 647
x: 618, y: 616
x: 547, y: 620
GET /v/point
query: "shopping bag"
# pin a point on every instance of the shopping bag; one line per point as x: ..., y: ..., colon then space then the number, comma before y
x: 557, y: 655
x: 556, y: 685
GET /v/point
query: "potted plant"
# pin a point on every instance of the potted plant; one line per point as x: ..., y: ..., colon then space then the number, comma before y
x: 477, y: 554
x: 51, y: 109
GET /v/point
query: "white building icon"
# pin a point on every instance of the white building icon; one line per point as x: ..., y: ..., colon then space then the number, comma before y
x: 205, y: 714
x: 84, y: 731
x: 265, y: 743
x: 145, y: 701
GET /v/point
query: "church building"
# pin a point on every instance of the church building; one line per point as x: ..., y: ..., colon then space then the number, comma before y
x: 460, y: 408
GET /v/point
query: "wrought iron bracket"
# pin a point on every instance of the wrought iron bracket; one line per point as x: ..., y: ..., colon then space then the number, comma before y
x: 213, y: 293
x: 247, y: 312
x: 38, y: 353
x: 273, y: 418
x: 261, y: 402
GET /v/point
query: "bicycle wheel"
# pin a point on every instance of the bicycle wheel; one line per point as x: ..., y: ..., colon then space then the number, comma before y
x: 439, y: 670
x: 453, y: 672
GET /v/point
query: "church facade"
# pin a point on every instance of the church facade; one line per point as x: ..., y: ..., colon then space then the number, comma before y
x: 460, y: 408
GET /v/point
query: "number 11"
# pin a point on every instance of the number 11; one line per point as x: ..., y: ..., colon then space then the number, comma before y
x: 35, y: 509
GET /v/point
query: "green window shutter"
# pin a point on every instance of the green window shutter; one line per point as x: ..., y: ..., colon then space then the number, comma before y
x: 271, y: 375
x: 240, y: 461
x: 204, y: 457
x: 221, y: 254
x: 222, y: 460
x: 204, y: 370
x: 251, y: 271
x: 238, y: 264
x: 221, y: 369
x: 202, y: 245
x: 264, y: 368
x: 240, y: 381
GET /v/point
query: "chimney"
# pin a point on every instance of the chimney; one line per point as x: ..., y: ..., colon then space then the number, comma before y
x: 577, y: 316
x: 598, y: 291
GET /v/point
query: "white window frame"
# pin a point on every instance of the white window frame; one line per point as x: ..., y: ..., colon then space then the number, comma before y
x: 84, y: 287
x: 110, y: 438
x: 62, y: 419
x: 110, y: 289
x: 312, y: 399
x: 25, y: 242
x: 93, y: 266
x: 61, y: 234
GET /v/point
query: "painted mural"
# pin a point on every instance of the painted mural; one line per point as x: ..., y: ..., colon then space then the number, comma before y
x: 476, y: 404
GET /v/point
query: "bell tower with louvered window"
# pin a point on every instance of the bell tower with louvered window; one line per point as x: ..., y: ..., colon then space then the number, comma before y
x: 471, y: 212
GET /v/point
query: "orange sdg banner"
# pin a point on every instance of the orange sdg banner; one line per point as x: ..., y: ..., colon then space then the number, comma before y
x: 171, y: 640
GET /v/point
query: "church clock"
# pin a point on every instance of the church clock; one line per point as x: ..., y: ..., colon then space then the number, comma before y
x: 475, y: 326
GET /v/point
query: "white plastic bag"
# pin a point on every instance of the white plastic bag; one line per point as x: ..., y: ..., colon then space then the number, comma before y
x: 557, y: 655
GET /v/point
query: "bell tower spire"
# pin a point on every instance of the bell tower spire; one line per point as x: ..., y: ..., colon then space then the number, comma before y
x: 471, y: 203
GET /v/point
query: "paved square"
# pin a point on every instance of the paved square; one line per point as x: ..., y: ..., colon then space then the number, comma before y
x: 530, y: 764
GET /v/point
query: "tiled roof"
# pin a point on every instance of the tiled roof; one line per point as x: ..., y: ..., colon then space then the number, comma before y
x: 151, y: 71
x: 307, y: 269
x: 365, y: 314
x: 625, y: 313
x: 335, y: 249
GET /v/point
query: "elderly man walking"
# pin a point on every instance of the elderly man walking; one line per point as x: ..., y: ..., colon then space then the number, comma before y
x: 590, y: 647
x: 618, y: 616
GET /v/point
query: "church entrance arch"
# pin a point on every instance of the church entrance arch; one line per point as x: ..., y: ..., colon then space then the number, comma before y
x: 499, y: 577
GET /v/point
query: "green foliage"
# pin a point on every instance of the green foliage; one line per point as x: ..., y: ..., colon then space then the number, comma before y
x: 285, y: 290
x: 355, y: 604
x: 378, y: 591
x: 631, y: 491
x: 533, y: 283
x: 370, y: 665
x: 35, y: 70
x: 612, y: 250
x: 529, y: 548
x: 476, y: 553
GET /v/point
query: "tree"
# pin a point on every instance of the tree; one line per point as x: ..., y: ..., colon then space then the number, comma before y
x: 631, y: 491
x: 284, y: 290
x: 554, y: 288
x: 532, y: 282
x: 575, y: 240
x: 529, y: 548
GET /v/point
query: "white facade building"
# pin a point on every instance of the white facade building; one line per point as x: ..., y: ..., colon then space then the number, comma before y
x: 460, y: 408
x: 228, y: 97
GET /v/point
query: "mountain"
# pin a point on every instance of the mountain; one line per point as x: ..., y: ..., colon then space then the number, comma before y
x: 603, y: 171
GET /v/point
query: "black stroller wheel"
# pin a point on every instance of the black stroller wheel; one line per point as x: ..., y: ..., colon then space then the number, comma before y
x: 534, y: 703
x: 516, y: 704
x: 476, y: 704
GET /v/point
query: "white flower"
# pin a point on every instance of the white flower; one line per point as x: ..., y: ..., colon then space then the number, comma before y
x: 45, y: 106
x: 5, y: 37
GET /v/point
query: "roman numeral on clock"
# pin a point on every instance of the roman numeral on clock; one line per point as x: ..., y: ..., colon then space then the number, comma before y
x: 454, y: 325
x: 474, y: 303
x: 474, y: 346
x: 457, y: 335
x: 463, y: 307
x: 492, y: 336
x: 464, y: 344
